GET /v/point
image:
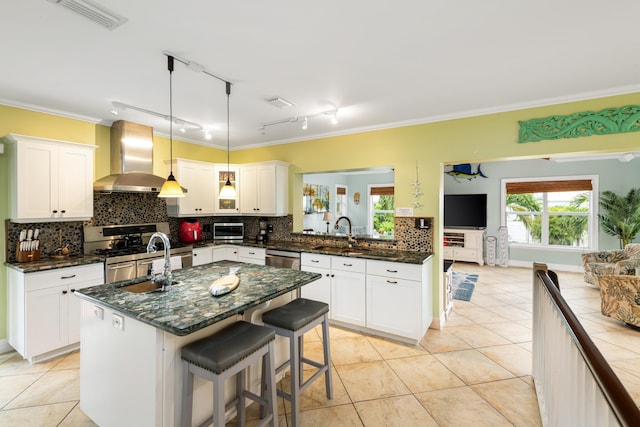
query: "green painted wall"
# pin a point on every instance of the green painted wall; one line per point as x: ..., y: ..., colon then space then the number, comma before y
x: 475, y: 139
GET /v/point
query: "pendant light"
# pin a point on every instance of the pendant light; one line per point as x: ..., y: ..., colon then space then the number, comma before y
x: 170, y: 188
x: 227, y: 191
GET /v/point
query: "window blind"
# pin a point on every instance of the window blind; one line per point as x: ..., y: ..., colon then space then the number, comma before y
x: 548, y: 186
x: 381, y: 191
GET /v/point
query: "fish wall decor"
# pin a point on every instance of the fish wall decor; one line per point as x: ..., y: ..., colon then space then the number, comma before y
x: 464, y: 171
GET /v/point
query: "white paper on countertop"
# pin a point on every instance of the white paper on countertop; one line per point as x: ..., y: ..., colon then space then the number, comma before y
x: 158, y: 265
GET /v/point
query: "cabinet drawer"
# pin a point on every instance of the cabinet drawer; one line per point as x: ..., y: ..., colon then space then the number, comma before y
x: 315, y: 260
x: 356, y: 265
x: 250, y: 252
x: 395, y: 270
x: 64, y: 276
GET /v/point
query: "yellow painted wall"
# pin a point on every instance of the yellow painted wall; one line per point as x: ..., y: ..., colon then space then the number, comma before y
x: 476, y: 139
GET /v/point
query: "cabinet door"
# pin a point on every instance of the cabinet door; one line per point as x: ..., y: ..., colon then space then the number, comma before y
x: 36, y: 192
x: 75, y: 183
x: 348, y: 297
x: 266, y: 187
x: 47, y: 323
x: 202, y: 256
x: 320, y: 290
x: 74, y: 314
x: 231, y: 253
x: 199, y: 180
x: 227, y: 206
x: 249, y: 190
x: 393, y: 306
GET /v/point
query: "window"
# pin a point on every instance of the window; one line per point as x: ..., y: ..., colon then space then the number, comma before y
x: 551, y: 212
x: 381, y: 210
x: 342, y: 201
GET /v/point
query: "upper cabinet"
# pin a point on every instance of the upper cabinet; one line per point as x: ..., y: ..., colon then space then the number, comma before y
x: 224, y: 172
x: 199, y: 178
x: 49, y: 180
x: 264, y: 188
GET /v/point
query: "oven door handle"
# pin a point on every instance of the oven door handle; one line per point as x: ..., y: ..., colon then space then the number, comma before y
x: 119, y: 266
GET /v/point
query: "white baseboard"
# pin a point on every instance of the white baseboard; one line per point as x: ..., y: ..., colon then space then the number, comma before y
x: 5, y: 347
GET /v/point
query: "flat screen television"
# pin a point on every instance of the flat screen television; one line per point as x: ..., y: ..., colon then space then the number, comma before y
x: 465, y: 211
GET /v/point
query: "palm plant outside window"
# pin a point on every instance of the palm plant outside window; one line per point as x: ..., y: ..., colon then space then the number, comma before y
x: 381, y: 211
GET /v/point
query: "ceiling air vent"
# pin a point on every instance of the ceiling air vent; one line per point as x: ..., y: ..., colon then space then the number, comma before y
x: 276, y: 101
x: 93, y: 11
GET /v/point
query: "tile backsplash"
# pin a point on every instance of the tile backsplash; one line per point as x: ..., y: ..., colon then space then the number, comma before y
x: 140, y: 208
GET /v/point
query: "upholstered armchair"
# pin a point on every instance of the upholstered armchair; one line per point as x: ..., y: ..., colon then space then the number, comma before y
x: 623, y: 261
x: 621, y: 298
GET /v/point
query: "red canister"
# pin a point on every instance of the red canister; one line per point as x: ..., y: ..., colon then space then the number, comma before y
x: 190, y: 231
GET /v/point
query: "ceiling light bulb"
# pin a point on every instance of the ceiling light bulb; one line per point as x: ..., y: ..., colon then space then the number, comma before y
x: 305, y: 124
x: 207, y: 135
x: 334, y: 119
x: 183, y: 130
x: 115, y: 112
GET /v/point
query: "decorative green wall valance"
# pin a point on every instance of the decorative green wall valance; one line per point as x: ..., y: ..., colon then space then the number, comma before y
x: 587, y: 123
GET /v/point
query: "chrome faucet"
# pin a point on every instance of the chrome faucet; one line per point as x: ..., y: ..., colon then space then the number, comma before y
x: 165, y: 277
x: 350, y: 239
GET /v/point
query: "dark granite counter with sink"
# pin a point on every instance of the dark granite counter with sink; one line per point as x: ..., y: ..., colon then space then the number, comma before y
x: 392, y: 255
x: 188, y: 307
x: 46, y: 263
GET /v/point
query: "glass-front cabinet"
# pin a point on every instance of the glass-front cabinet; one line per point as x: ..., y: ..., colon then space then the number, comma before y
x: 222, y: 172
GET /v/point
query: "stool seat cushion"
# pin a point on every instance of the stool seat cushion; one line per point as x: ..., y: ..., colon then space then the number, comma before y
x: 225, y: 348
x: 295, y: 314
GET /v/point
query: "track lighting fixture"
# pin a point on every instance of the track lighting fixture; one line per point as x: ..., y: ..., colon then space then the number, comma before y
x: 333, y: 114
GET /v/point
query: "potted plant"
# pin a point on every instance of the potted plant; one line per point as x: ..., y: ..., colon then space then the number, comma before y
x: 620, y: 215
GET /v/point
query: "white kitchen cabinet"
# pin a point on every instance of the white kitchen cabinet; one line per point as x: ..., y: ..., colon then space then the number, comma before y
x: 251, y: 255
x: 398, y: 302
x: 199, y: 180
x: 348, y: 290
x: 463, y: 245
x: 264, y: 188
x: 227, y: 206
x: 50, y: 180
x: 225, y: 252
x: 203, y: 255
x: 342, y: 286
x: 319, y: 290
x: 43, y: 313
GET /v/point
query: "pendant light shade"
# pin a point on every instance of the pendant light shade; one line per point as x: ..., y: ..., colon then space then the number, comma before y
x: 170, y: 188
x: 228, y: 191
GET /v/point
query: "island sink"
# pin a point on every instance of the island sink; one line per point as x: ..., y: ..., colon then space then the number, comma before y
x: 144, y: 287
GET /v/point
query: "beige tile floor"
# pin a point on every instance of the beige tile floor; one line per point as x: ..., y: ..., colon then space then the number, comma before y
x: 477, y: 371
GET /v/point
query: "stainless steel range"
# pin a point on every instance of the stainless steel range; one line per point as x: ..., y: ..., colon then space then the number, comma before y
x: 125, y: 249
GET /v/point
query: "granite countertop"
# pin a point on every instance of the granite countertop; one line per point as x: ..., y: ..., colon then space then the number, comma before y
x: 391, y: 255
x: 188, y: 307
x: 46, y: 263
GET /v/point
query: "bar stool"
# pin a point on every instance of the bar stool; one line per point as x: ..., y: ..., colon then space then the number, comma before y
x: 293, y: 320
x: 225, y: 354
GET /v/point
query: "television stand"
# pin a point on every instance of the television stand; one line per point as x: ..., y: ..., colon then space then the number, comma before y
x: 461, y: 244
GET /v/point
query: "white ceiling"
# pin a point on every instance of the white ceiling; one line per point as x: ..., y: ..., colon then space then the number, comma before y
x: 381, y: 63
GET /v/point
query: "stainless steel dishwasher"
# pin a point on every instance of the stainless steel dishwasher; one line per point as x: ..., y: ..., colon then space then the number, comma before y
x: 282, y: 259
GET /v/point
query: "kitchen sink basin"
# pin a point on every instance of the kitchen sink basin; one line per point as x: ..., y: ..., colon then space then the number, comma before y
x: 339, y: 250
x: 144, y: 287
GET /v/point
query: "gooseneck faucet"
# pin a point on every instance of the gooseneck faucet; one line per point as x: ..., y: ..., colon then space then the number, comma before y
x: 350, y: 239
x: 165, y: 278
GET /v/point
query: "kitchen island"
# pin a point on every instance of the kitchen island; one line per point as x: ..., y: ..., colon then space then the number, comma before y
x: 130, y: 366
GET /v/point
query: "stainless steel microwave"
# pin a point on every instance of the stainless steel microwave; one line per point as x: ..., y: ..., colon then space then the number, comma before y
x: 228, y: 231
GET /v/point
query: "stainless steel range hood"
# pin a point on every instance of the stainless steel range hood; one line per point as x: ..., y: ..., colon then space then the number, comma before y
x: 131, y: 161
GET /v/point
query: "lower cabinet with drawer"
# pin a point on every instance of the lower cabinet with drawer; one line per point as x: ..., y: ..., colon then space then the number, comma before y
x: 342, y: 286
x: 397, y: 301
x: 251, y: 255
x: 380, y: 297
x: 43, y: 314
